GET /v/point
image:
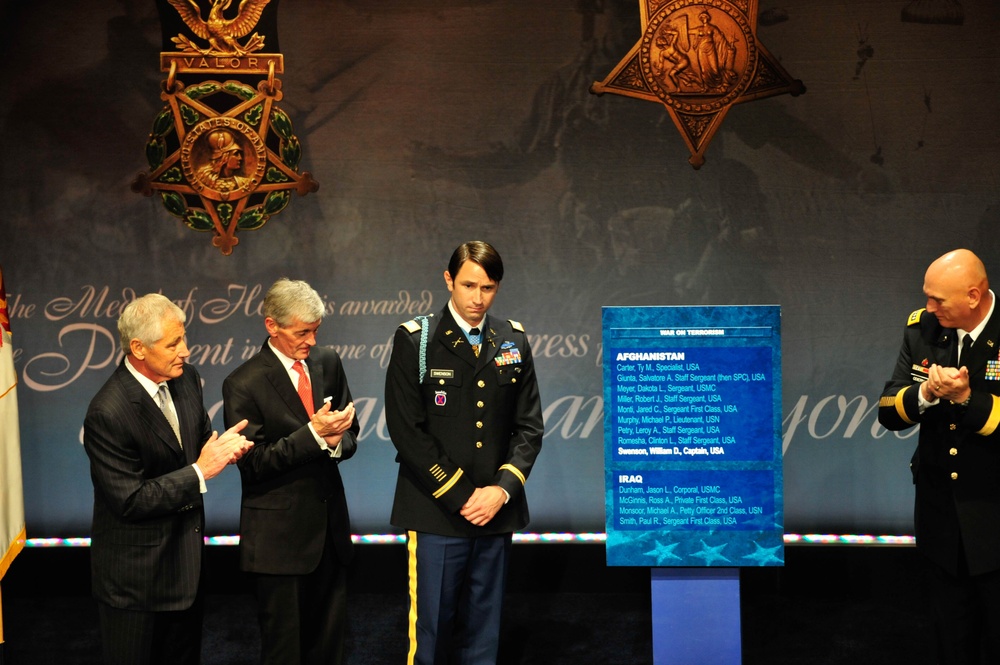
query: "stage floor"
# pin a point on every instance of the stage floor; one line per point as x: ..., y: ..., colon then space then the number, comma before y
x: 826, y: 606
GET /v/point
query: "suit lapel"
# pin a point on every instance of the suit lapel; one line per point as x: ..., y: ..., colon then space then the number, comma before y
x: 187, y: 404
x: 986, y: 347
x: 492, y: 339
x: 450, y: 335
x: 943, y: 348
x: 316, y: 380
x: 148, y: 410
x: 278, y: 377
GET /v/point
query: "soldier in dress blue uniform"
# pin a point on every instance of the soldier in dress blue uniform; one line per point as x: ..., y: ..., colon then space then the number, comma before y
x: 947, y: 380
x: 463, y: 410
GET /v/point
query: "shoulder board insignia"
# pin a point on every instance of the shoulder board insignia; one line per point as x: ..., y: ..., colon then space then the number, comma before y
x: 411, y: 326
x: 516, y: 325
x: 915, y: 316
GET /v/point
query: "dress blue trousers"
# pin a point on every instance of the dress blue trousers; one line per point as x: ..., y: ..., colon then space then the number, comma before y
x: 456, y: 595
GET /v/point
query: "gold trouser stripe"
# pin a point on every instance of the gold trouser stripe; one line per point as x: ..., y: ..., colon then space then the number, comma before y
x: 448, y: 485
x: 994, y: 420
x: 900, y: 408
x: 513, y: 469
x: 411, y: 630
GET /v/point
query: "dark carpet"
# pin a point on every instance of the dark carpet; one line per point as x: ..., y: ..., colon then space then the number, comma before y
x: 827, y: 606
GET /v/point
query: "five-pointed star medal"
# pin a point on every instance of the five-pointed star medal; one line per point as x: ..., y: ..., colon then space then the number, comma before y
x: 698, y: 59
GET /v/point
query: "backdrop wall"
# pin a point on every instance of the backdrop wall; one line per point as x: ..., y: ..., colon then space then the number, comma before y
x: 431, y: 122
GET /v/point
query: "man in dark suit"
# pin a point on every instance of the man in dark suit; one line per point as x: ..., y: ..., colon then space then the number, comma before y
x: 947, y: 380
x: 151, y: 449
x: 463, y: 411
x: 295, y: 533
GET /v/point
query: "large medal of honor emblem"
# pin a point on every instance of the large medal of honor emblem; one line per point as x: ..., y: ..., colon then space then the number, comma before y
x: 698, y: 59
x: 222, y: 155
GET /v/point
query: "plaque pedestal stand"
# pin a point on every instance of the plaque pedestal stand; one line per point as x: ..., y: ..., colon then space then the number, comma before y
x: 696, y: 616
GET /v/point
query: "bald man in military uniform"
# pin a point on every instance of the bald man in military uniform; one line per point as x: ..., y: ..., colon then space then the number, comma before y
x: 947, y: 380
x: 463, y: 411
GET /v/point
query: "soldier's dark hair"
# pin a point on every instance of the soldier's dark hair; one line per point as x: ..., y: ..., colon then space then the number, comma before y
x: 481, y: 253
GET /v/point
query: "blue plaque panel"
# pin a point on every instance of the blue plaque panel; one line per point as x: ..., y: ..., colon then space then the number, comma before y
x: 692, y: 430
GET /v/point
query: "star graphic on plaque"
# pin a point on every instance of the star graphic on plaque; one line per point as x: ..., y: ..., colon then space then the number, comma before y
x: 663, y: 553
x: 764, y: 555
x: 698, y: 59
x: 711, y: 554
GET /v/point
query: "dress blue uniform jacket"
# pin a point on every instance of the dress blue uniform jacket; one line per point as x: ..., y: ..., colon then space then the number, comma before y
x: 956, y: 467
x: 471, y: 422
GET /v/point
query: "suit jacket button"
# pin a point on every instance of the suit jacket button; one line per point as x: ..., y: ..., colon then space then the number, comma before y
x: 954, y: 475
x: 481, y: 384
x: 479, y: 424
x: 197, y: 529
x: 479, y: 444
x: 480, y: 404
x: 953, y: 451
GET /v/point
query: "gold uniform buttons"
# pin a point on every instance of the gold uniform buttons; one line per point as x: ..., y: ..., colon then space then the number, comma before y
x: 481, y: 384
x: 953, y: 452
x: 479, y: 424
x: 441, y: 382
x: 953, y: 427
x: 954, y: 475
x: 480, y: 404
x: 479, y: 444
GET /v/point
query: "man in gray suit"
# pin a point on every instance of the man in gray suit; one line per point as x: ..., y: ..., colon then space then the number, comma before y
x: 151, y: 449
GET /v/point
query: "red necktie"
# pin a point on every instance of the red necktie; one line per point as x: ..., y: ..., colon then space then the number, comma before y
x: 303, y: 388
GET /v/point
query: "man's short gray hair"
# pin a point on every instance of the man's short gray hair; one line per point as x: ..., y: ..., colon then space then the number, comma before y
x: 143, y: 319
x: 289, y: 299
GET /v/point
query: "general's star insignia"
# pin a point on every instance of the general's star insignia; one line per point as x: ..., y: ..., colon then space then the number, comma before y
x: 698, y: 59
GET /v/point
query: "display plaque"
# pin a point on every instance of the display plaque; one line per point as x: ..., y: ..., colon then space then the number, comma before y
x: 692, y: 431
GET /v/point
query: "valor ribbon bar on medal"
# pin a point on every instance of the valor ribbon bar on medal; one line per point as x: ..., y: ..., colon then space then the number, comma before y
x: 262, y: 64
